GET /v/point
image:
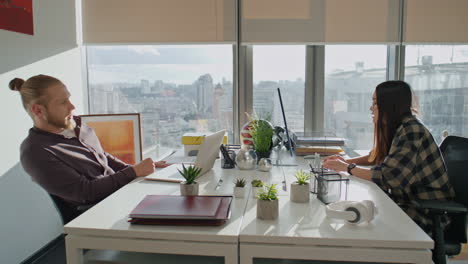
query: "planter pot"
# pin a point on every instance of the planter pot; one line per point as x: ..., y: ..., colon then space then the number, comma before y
x: 300, y: 193
x: 188, y: 189
x: 256, y: 191
x: 267, y: 210
x: 239, y: 192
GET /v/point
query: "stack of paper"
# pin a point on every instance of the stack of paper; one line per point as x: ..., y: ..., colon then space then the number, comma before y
x: 182, y: 210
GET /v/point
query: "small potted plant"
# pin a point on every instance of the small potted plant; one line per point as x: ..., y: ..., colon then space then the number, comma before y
x: 262, y: 136
x: 262, y: 133
x: 267, y: 204
x: 189, y: 186
x: 239, y: 189
x: 257, y: 186
x: 300, y: 191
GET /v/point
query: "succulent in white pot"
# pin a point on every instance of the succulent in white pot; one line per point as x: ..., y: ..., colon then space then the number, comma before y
x: 239, y: 188
x: 300, y: 190
x: 257, y: 186
x: 190, y: 174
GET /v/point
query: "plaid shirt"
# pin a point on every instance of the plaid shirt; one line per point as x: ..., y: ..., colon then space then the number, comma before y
x: 414, y: 169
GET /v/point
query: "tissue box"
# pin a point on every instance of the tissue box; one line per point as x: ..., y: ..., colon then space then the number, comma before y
x: 196, y: 138
x: 192, y: 142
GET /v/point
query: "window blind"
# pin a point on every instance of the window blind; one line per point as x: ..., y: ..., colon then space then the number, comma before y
x: 158, y: 21
x: 435, y: 21
x: 320, y: 21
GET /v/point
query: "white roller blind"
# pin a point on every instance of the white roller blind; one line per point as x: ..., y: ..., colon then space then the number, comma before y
x: 320, y: 21
x: 366, y: 21
x: 158, y: 21
x: 436, y: 21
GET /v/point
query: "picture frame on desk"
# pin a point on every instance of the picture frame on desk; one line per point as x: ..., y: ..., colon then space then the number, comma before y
x: 119, y: 134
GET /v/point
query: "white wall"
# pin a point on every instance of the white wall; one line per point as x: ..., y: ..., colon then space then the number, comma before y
x: 54, y: 32
x: 29, y: 220
x: 15, y: 121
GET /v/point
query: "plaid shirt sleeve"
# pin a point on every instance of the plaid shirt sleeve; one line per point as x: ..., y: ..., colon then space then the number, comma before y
x: 396, y: 169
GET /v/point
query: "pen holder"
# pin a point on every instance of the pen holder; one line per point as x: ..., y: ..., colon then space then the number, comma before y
x: 330, y: 187
x: 229, y: 162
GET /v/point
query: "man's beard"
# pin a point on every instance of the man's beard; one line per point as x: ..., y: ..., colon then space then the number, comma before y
x: 61, y: 123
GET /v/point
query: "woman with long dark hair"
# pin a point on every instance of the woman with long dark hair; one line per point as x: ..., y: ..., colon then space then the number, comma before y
x: 405, y: 160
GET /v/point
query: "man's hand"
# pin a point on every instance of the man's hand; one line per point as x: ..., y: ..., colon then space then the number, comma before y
x: 144, y: 168
x: 161, y: 164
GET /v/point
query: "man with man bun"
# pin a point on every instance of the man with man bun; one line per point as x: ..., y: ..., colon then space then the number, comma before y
x: 65, y: 156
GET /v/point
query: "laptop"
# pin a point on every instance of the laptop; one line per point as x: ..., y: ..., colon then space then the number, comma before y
x: 205, y: 160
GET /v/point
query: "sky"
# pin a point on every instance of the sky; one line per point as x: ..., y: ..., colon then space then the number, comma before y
x: 183, y: 64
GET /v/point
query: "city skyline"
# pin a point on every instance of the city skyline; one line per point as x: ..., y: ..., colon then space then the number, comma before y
x: 203, y: 101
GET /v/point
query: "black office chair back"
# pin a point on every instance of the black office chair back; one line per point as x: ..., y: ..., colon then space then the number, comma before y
x: 67, y: 211
x: 455, y: 152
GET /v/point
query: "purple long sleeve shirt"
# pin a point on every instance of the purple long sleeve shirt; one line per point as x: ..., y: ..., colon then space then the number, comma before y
x: 76, y: 169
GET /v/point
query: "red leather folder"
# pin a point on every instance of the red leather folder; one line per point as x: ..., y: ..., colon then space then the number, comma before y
x: 177, y: 222
x: 182, y: 210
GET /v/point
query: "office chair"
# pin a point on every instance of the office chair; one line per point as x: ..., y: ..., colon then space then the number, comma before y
x: 448, y: 242
x: 67, y: 211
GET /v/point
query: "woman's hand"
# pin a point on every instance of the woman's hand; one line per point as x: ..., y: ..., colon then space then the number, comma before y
x: 337, y: 164
x: 333, y: 157
x: 161, y: 164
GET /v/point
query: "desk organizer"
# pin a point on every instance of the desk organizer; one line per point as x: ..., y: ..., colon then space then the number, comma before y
x: 329, y: 186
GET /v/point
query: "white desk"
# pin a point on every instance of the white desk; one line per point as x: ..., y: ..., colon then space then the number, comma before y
x: 105, y: 225
x: 301, y: 232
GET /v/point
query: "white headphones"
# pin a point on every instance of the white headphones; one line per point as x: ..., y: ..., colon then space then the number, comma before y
x: 353, y: 212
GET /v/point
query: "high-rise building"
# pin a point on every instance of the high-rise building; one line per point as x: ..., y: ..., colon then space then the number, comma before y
x: 205, y: 90
x: 145, y: 87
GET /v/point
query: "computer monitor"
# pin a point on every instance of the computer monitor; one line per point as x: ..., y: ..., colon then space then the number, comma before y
x: 285, y: 123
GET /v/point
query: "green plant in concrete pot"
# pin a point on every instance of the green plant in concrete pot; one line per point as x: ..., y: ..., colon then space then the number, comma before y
x: 267, y: 203
x: 257, y: 186
x: 239, y: 188
x: 300, y: 190
x: 190, y: 174
x: 262, y: 136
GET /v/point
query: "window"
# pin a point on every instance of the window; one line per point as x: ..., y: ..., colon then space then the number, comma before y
x: 283, y: 67
x: 177, y: 89
x: 438, y: 76
x: 351, y: 74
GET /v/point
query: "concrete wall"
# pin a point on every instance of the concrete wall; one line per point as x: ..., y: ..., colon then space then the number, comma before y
x: 29, y: 219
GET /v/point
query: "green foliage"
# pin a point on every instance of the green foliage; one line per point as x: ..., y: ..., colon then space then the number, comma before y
x: 262, y: 135
x: 302, y: 177
x: 240, y: 182
x: 268, y: 193
x: 257, y: 183
x: 190, y: 173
